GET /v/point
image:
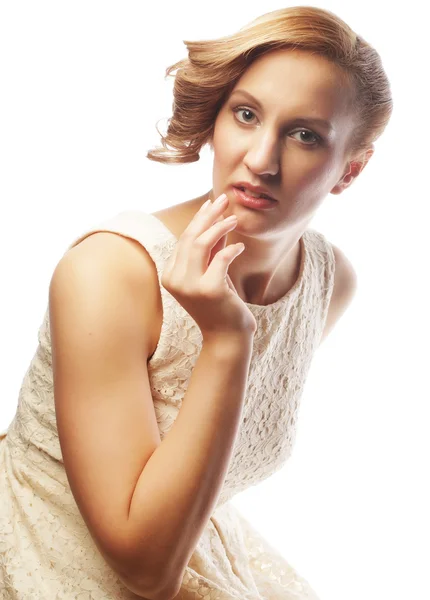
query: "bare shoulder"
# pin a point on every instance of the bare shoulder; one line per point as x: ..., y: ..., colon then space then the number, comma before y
x: 345, y: 276
x: 132, y: 261
x: 126, y: 250
x: 344, y: 288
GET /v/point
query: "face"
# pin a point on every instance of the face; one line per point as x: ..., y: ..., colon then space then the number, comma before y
x: 269, y: 132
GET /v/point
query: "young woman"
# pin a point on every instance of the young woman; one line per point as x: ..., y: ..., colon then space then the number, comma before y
x: 176, y: 344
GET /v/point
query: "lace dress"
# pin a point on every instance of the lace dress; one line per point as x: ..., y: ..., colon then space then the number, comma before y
x: 46, y: 550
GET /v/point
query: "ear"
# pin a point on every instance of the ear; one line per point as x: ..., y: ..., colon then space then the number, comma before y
x: 353, y: 170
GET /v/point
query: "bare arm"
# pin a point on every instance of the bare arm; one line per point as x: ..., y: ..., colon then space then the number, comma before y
x: 181, y: 482
x: 145, y: 502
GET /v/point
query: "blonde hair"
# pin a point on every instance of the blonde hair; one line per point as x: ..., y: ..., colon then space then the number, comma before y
x: 204, y: 80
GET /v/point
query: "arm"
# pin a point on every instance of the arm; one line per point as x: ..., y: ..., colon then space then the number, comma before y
x: 184, y: 476
x: 344, y: 288
x: 145, y: 502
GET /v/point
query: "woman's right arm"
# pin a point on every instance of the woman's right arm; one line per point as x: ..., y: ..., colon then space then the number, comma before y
x: 145, y: 502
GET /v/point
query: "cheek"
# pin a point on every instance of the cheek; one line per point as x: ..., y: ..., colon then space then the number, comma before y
x: 226, y: 142
x: 316, y: 169
x: 299, y: 169
x: 320, y: 182
x: 225, y: 155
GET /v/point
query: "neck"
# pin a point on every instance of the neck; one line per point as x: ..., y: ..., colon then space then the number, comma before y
x: 270, y: 264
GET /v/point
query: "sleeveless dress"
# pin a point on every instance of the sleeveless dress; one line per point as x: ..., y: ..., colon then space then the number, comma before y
x: 46, y: 550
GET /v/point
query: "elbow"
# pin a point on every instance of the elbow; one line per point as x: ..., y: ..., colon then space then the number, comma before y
x: 165, y: 592
x: 158, y: 592
x: 142, y: 573
x: 160, y: 587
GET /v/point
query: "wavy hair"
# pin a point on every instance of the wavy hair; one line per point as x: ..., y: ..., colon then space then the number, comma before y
x: 204, y: 80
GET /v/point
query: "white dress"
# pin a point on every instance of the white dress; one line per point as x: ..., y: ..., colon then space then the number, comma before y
x: 46, y: 550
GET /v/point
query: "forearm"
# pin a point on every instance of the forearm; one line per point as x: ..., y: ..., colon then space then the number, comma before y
x: 182, y: 480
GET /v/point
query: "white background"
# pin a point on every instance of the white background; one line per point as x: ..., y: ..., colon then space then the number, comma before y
x: 82, y: 87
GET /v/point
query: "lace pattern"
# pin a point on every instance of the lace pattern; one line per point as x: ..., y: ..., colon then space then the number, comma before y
x: 46, y: 551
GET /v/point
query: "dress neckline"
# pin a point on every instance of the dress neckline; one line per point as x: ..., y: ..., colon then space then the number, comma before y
x: 292, y: 292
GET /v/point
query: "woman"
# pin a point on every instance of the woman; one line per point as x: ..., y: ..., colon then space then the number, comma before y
x: 172, y: 358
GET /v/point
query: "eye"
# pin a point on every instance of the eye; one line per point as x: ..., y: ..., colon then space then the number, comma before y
x: 314, y: 135
x: 316, y: 138
x: 239, y: 109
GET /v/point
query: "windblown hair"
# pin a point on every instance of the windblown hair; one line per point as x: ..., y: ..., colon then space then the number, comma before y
x: 204, y: 80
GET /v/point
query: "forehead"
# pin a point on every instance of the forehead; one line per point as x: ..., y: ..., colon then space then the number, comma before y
x: 298, y: 80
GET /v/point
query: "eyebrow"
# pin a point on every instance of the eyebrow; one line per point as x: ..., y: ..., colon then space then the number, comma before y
x: 322, y: 122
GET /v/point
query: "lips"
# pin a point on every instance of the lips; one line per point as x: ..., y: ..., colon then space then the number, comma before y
x: 261, y: 192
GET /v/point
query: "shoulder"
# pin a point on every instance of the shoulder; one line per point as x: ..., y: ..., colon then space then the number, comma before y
x: 117, y: 256
x: 345, y: 276
x: 105, y: 246
x: 344, y: 288
x: 119, y: 261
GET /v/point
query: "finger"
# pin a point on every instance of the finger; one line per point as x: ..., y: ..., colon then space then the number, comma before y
x: 220, y: 244
x: 205, y: 247
x: 203, y: 219
x: 217, y: 273
x: 230, y: 283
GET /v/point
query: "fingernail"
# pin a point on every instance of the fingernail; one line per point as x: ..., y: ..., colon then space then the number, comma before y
x: 221, y: 199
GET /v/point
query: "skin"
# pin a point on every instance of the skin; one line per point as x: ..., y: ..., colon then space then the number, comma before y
x: 265, y: 145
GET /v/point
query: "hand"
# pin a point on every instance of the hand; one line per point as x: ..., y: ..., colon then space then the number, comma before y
x: 196, y: 274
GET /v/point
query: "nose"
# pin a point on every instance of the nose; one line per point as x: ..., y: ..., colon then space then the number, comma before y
x: 262, y: 156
